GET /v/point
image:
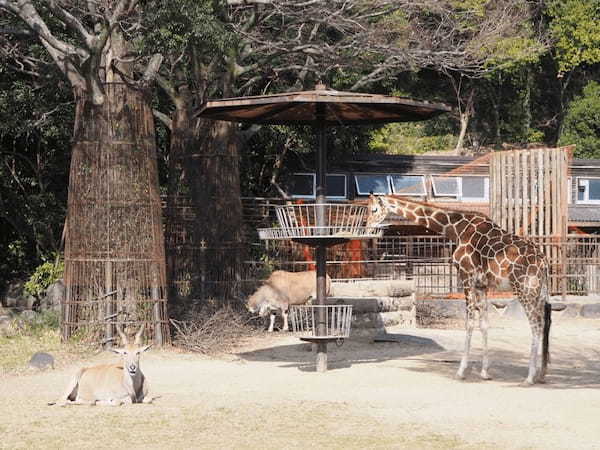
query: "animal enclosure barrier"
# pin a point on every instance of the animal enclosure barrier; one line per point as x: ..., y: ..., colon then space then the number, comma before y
x: 425, y: 259
x: 530, y: 196
x: 114, y: 248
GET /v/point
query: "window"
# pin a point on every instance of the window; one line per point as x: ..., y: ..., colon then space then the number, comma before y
x: 377, y: 184
x: 336, y: 186
x: 475, y: 189
x: 588, y: 190
x: 304, y: 185
x: 445, y: 186
x: 408, y: 184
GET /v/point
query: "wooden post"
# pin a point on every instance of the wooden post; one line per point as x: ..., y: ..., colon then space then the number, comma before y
x: 321, y: 250
x: 108, y: 310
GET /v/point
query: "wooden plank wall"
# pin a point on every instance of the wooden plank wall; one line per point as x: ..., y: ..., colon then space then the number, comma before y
x: 529, y: 191
x: 529, y: 197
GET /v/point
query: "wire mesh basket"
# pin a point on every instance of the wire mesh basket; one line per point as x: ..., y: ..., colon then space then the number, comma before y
x: 337, y: 320
x: 336, y: 220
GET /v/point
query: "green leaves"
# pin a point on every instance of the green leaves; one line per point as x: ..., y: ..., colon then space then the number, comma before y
x: 582, y: 123
x: 575, y: 28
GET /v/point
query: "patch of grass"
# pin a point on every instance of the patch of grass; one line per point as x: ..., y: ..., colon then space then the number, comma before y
x: 25, y: 336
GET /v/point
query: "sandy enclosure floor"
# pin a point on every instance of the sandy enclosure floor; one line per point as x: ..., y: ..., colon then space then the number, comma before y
x: 375, y: 395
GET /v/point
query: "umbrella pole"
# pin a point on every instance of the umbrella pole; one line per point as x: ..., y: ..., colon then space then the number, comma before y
x: 321, y: 250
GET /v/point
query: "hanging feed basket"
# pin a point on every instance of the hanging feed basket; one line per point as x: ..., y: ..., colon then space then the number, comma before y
x: 341, y: 222
x: 336, y: 321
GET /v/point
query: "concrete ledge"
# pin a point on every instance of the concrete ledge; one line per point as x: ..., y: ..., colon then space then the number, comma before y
x: 374, y: 304
x: 373, y: 288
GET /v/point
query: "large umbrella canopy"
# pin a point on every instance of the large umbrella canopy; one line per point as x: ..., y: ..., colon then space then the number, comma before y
x: 328, y: 106
x: 320, y: 108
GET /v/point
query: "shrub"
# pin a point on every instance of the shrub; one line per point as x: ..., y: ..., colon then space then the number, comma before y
x: 43, y: 276
x: 580, y: 126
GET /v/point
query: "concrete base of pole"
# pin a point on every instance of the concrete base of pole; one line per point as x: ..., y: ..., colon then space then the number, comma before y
x: 322, y: 357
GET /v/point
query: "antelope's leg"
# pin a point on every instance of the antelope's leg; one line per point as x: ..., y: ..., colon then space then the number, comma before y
x: 271, y: 321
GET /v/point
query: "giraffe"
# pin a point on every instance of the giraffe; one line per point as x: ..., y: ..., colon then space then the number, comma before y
x: 485, y: 255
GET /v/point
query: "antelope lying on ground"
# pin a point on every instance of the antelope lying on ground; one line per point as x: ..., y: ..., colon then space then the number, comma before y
x: 283, y: 289
x: 111, y: 384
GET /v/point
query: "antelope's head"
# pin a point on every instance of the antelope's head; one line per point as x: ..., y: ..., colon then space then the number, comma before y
x: 131, y: 352
x: 258, y: 303
x: 377, y: 211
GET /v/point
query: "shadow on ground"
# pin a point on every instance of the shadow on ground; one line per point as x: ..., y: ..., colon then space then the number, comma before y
x: 571, y: 367
x: 576, y: 371
x: 351, y: 352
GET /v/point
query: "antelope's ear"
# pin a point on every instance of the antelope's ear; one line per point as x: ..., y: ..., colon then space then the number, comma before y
x: 118, y: 351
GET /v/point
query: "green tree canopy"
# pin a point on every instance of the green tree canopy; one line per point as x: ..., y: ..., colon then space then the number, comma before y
x: 575, y: 28
x: 582, y: 123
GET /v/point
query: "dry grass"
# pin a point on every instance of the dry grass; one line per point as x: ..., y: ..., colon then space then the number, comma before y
x: 24, y: 337
x: 213, y: 329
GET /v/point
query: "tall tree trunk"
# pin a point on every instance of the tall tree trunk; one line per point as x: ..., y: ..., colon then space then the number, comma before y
x: 217, y: 198
x: 114, y: 252
x: 205, y: 241
x: 464, y: 123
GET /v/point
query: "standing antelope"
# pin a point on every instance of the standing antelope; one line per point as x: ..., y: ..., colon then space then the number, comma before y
x: 111, y: 384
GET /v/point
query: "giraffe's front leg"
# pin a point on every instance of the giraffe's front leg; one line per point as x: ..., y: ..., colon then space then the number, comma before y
x: 271, y: 321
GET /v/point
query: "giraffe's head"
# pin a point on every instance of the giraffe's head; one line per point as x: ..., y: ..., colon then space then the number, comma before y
x: 377, y: 212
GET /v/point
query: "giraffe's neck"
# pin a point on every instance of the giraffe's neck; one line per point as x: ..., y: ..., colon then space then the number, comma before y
x: 447, y: 223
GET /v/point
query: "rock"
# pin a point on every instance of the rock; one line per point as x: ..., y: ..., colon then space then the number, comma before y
x: 572, y: 310
x: 591, y: 311
x: 514, y: 310
x: 15, y: 296
x: 41, y: 360
x: 55, y: 295
x: 373, y: 304
x: 374, y: 288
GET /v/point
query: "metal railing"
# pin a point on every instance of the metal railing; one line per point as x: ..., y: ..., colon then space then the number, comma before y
x: 337, y: 320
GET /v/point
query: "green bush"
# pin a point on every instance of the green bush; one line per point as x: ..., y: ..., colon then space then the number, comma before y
x: 580, y: 126
x: 44, y: 276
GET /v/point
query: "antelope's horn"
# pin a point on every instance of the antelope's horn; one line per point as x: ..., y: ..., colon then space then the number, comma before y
x: 123, y: 336
x: 138, y: 335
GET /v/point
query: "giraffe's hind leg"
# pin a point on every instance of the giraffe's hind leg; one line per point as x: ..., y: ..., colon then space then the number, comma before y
x: 469, y: 325
x: 483, y: 327
x: 534, y: 311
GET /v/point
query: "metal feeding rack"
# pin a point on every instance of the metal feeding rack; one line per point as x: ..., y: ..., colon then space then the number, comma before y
x: 339, y: 223
x: 334, y: 325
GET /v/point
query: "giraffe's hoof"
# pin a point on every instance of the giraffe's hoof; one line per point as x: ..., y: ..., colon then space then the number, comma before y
x: 527, y: 383
x: 485, y: 376
x: 460, y: 376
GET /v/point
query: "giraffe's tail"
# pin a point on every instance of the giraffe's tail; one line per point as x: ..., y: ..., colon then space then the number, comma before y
x: 546, y: 336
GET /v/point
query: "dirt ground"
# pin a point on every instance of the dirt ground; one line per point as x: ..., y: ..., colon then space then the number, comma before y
x: 375, y: 395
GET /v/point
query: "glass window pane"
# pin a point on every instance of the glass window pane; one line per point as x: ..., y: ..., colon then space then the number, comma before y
x: 377, y: 184
x: 445, y: 186
x: 594, y: 189
x: 408, y: 185
x: 336, y: 186
x: 302, y: 185
x: 473, y: 187
x: 581, y: 190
